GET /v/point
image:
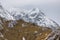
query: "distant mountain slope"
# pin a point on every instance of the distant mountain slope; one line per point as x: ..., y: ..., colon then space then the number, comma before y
x: 34, y: 18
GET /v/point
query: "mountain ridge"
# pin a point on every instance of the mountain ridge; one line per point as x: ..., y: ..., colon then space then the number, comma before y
x: 34, y: 16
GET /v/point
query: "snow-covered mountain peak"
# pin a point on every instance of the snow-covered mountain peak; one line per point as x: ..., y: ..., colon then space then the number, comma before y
x: 34, y: 16
x: 5, y: 14
x: 39, y: 18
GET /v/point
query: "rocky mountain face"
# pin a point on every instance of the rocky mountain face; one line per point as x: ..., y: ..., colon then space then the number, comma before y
x: 27, y: 25
x: 34, y: 16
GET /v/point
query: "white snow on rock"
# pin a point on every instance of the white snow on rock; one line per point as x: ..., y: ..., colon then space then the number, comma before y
x: 34, y: 16
x: 4, y: 14
x: 23, y: 38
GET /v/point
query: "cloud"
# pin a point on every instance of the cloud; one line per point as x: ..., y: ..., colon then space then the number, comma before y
x: 27, y: 2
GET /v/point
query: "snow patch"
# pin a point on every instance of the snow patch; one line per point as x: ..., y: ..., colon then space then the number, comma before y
x: 23, y: 38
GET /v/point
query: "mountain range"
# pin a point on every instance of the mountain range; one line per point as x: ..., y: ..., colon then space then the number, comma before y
x: 34, y: 16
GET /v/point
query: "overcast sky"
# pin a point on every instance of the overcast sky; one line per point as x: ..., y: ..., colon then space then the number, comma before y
x: 51, y: 8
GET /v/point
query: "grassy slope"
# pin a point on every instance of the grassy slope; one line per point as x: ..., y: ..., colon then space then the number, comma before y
x: 29, y: 31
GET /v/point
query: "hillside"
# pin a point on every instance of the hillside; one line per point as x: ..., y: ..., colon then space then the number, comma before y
x: 24, y: 31
x: 27, y: 25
